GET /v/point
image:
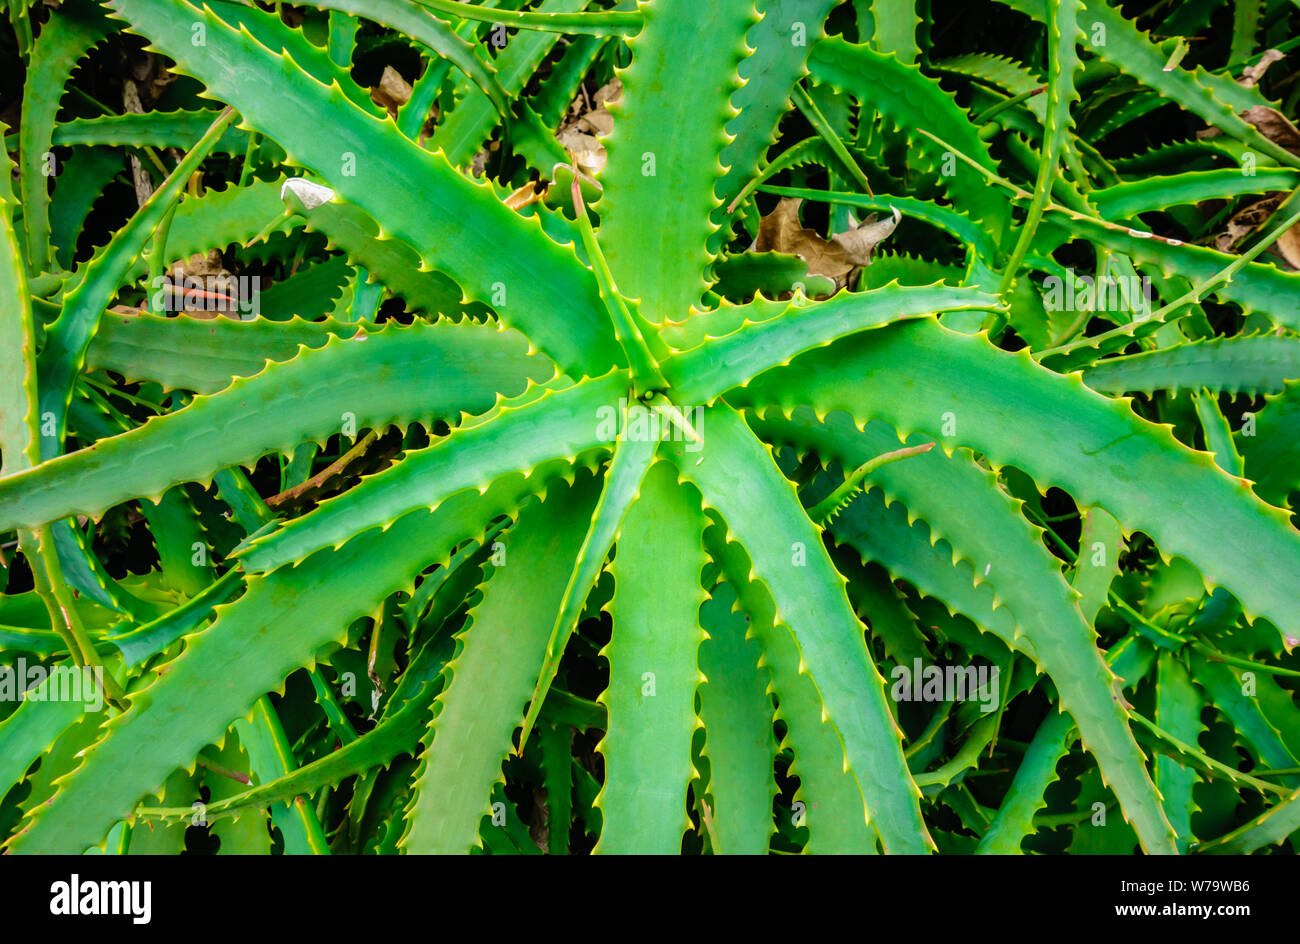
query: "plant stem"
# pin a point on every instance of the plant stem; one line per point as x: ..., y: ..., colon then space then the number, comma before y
x: 47, y: 574
x: 823, y: 127
x: 832, y: 502
x: 603, y: 23
x: 646, y: 374
x: 1164, y: 315
x: 1215, y: 655
x: 157, y: 261
x: 1002, y: 106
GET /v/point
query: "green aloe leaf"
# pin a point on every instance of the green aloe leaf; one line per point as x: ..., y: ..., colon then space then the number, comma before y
x: 654, y: 669
x: 1102, y: 443
x: 478, y: 710
x: 740, y: 482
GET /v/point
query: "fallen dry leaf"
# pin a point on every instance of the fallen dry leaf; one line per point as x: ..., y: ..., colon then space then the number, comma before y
x: 781, y: 231
x: 1271, y: 123
x: 586, y: 123
x: 587, y: 151
x: 1288, y: 244
x: 1250, y: 219
x: 609, y: 93
x: 1252, y: 74
x: 1275, y: 126
x: 859, y: 243
x: 1245, y: 221
x: 597, y: 121
x: 836, y: 258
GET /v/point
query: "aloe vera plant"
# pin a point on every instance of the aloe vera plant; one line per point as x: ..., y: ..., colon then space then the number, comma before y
x: 558, y: 490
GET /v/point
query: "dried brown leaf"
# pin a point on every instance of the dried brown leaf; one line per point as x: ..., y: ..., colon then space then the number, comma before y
x: 587, y: 151
x: 609, y: 93
x: 1288, y: 245
x: 1245, y: 221
x: 836, y: 258
x: 586, y: 123
x: 1271, y: 123
x: 858, y: 244
x: 1275, y: 126
x: 1252, y: 74
x: 597, y: 121
x: 781, y: 231
x: 1251, y: 219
